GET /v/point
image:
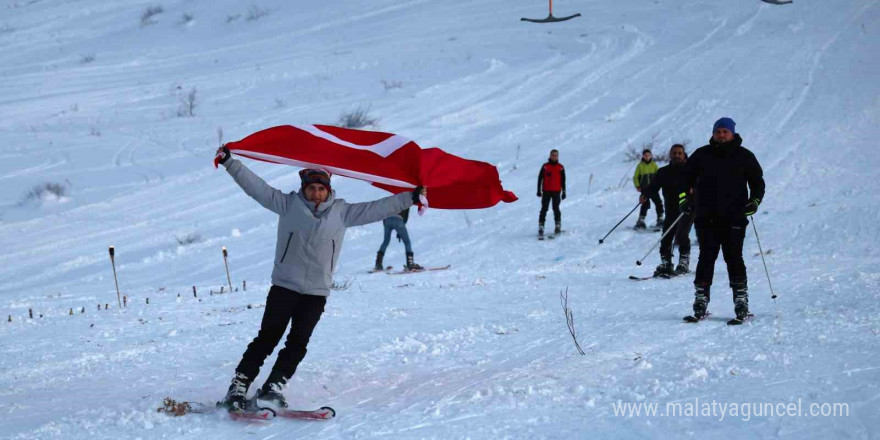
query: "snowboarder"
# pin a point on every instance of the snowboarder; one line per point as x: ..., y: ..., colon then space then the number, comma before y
x: 397, y: 223
x: 728, y: 186
x: 644, y: 175
x: 311, y: 226
x: 671, y: 180
x: 551, y: 187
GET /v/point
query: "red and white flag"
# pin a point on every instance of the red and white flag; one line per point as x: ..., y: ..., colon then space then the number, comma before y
x: 388, y: 161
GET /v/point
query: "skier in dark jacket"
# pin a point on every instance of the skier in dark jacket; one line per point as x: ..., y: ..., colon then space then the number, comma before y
x: 311, y: 226
x: 551, y: 187
x: 397, y: 223
x: 728, y: 185
x: 672, y: 182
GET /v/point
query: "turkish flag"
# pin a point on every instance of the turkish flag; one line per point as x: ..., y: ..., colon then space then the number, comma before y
x: 388, y: 161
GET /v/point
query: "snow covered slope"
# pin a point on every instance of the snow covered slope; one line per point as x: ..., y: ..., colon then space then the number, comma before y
x: 92, y: 100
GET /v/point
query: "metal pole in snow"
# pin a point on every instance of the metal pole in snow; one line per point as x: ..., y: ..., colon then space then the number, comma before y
x: 113, y: 263
x: 226, y: 263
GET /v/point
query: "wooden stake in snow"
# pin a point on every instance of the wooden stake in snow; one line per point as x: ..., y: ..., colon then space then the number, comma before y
x: 226, y: 263
x: 113, y: 263
x: 195, y: 295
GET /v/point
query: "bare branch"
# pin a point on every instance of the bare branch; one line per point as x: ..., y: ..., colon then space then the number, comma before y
x: 569, y: 319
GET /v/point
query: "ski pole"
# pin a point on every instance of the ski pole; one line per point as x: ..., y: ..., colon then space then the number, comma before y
x: 602, y: 240
x: 761, y: 251
x: 113, y: 263
x: 228, y: 278
x: 671, y: 228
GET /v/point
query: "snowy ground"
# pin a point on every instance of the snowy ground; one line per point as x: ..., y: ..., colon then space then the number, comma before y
x: 90, y: 93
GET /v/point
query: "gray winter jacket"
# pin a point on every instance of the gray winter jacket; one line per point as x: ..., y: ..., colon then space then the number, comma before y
x: 310, y: 237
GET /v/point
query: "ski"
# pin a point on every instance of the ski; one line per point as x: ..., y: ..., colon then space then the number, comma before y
x: 386, y: 269
x: 174, y: 408
x: 427, y: 269
x: 322, y: 413
x: 646, y: 229
x: 554, y: 235
x: 665, y: 277
x: 694, y: 319
x: 735, y: 321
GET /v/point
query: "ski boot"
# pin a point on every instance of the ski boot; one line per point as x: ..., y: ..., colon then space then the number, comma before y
x: 683, y: 265
x: 540, y: 231
x: 640, y: 224
x: 378, y: 267
x: 665, y: 268
x: 701, y: 302
x: 741, y: 301
x: 558, y: 229
x: 410, y: 264
x: 269, y: 396
x: 659, y: 224
x: 236, y: 397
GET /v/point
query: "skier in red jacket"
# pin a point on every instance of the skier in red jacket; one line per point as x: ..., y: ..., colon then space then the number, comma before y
x: 551, y: 186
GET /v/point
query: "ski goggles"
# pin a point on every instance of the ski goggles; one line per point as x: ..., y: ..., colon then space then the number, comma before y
x: 309, y: 176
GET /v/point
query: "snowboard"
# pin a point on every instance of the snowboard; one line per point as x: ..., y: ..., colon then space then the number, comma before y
x: 427, y: 269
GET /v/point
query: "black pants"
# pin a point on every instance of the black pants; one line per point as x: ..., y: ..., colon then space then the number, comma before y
x: 282, y: 306
x: 545, y: 203
x: 681, y: 235
x: 647, y: 205
x: 715, y: 235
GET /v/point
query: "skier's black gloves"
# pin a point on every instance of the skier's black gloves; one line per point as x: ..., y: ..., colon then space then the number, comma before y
x: 563, y: 195
x: 539, y: 193
x: 223, y: 154
x: 752, y: 207
x: 685, y: 204
x: 415, y: 194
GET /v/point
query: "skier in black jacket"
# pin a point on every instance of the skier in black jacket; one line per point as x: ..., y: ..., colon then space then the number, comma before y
x: 728, y: 185
x: 672, y: 181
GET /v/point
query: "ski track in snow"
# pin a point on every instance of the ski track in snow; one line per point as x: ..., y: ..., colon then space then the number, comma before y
x: 480, y: 350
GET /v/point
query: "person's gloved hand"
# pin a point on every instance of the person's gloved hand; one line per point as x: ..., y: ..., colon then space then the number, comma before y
x: 563, y: 195
x: 643, y: 199
x: 539, y: 193
x: 752, y: 207
x: 685, y: 204
x: 222, y: 155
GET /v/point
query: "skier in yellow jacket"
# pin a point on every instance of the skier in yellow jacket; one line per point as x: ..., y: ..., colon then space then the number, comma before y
x: 645, y: 173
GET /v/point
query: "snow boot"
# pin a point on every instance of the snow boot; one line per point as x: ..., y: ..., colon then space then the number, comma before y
x: 740, y: 300
x: 701, y: 302
x: 410, y: 264
x: 683, y: 265
x: 540, y: 230
x: 236, y: 397
x: 640, y: 224
x: 378, y: 266
x: 659, y: 224
x: 665, y: 267
x: 558, y: 229
x: 269, y: 396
